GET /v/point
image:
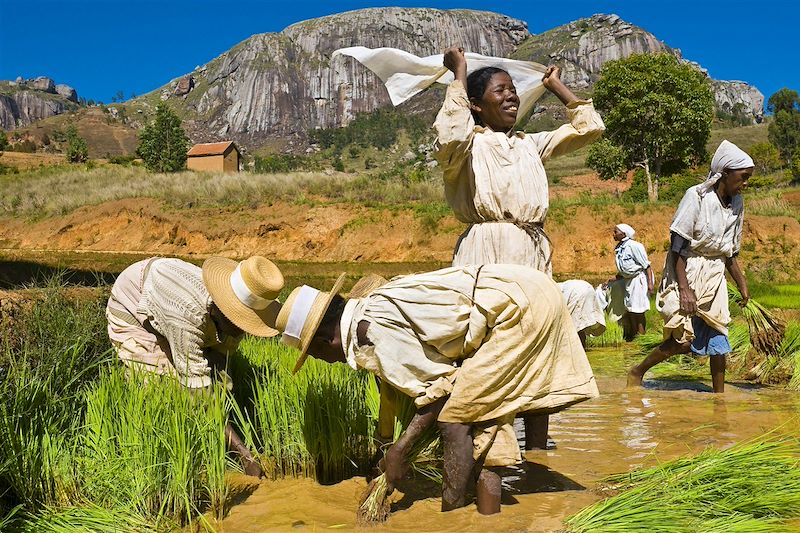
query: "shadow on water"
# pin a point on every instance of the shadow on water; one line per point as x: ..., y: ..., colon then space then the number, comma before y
x: 18, y: 274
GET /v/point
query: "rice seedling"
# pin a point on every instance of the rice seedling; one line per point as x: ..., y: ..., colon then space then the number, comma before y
x: 611, y: 337
x: 753, y: 486
x: 317, y: 423
x: 425, y: 458
x: 88, y: 518
x: 766, y: 330
x: 153, y: 444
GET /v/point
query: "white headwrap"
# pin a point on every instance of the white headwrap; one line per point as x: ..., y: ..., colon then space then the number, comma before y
x: 728, y: 156
x: 627, y: 230
x: 405, y: 74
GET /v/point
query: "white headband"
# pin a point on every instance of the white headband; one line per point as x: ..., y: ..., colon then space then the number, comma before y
x: 243, y: 292
x: 298, y: 315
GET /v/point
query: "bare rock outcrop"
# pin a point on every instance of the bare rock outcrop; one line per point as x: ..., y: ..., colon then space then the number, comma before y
x: 45, y: 84
x: 67, y: 92
x: 286, y: 83
x: 739, y: 99
x: 23, y: 102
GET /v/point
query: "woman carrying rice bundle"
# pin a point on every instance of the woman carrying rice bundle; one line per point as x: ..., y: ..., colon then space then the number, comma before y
x: 706, y: 236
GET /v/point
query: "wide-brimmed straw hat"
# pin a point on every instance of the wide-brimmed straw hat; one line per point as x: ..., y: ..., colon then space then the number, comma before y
x: 366, y: 285
x: 301, y: 315
x: 245, y: 292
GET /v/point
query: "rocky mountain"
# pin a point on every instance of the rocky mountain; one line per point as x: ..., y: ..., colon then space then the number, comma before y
x: 284, y: 84
x: 23, y: 102
x: 583, y: 46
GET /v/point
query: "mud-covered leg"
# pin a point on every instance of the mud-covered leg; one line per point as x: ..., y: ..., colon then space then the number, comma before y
x: 458, y: 464
x: 664, y: 351
x: 717, y: 364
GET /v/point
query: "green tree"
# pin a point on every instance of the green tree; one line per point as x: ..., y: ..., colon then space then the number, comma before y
x: 766, y: 157
x: 77, y: 150
x: 163, y: 143
x: 3, y: 140
x: 796, y: 165
x: 784, y: 130
x: 658, y: 110
x: 607, y: 159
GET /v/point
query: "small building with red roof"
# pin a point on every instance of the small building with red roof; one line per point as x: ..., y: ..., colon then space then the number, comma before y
x: 214, y: 157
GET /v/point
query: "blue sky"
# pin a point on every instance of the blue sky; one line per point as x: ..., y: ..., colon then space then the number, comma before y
x: 104, y: 46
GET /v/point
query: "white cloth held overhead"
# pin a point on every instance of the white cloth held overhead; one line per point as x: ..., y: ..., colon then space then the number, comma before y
x: 405, y: 74
x: 729, y: 156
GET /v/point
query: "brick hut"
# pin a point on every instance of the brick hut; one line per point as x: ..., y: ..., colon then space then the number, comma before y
x: 221, y: 156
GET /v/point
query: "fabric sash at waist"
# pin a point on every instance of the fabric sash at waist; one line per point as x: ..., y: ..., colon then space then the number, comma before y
x: 535, y: 231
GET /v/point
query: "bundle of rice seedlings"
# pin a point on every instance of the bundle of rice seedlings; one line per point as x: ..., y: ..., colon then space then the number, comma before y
x: 318, y: 423
x: 766, y: 330
x: 610, y: 338
x: 424, y: 459
x: 753, y: 486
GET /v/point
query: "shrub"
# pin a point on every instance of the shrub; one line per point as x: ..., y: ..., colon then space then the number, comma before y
x: 121, y: 159
x: 675, y: 186
x: 766, y: 157
x: 607, y: 159
x: 270, y: 164
x: 637, y: 192
x: 3, y: 140
x: 25, y: 146
x: 77, y: 150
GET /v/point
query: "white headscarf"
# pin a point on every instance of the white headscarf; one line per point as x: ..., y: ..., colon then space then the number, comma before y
x: 728, y: 156
x: 405, y: 74
x: 627, y: 230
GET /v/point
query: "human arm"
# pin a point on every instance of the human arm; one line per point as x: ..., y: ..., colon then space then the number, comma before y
x: 688, y: 300
x: 585, y: 125
x: 736, y: 273
x: 552, y: 82
x: 396, y: 459
x: 454, y: 123
x: 651, y: 281
x: 455, y: 61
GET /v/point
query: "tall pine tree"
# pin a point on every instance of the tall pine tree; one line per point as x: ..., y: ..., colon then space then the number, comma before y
x: 163, y: 143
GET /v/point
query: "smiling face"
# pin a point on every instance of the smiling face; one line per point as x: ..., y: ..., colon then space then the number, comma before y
x: 498, y: 106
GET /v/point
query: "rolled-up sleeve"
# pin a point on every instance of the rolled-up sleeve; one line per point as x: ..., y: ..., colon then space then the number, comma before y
x: 585, y: 127
x: 455, y: 129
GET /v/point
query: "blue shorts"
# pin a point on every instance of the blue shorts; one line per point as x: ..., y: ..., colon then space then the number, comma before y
x: 707, y: 340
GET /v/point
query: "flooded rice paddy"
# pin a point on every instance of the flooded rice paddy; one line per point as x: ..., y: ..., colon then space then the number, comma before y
x: 617, y: 432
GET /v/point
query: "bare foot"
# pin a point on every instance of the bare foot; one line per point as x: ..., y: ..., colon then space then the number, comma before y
x: 634, y: 378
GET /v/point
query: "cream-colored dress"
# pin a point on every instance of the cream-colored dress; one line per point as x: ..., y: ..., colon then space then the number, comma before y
x: 497, y: 183
x: 584, y: 306
x: 497, y: 339
x: 714, y: 232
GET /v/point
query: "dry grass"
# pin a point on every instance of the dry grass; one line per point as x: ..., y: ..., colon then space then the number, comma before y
x: 60, y: 190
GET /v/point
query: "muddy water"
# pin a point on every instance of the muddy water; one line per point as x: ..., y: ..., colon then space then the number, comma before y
x: 617, y: 432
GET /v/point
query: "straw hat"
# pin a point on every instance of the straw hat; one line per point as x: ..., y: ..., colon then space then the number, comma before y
x: 245, y: 292
x: 301, y: 315
x: 366, y: 285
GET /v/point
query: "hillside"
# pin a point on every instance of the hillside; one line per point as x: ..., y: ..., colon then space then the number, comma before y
x: 281, y: 85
